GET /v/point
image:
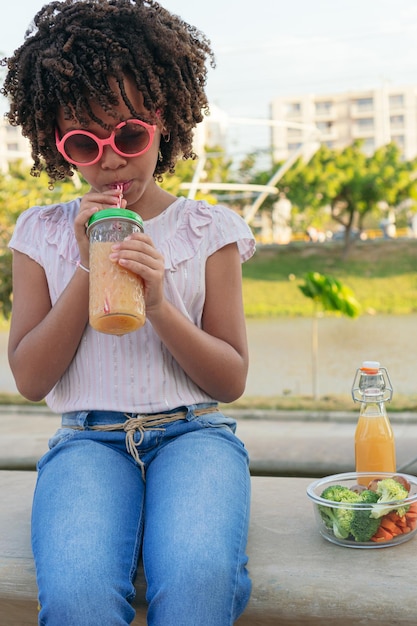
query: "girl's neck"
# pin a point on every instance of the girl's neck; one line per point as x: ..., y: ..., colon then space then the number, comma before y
x: 153, y: 204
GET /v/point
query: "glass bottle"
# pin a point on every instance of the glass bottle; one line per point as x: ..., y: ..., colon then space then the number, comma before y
x: 116, y: 301
x: 374, y: 438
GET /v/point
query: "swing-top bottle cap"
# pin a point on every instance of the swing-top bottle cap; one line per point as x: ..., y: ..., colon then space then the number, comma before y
x: 370, y: 367
x: 371, y: 381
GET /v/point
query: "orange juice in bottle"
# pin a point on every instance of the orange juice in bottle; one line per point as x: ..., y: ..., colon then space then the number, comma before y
x: 374, y: 438
x: 116, y: 301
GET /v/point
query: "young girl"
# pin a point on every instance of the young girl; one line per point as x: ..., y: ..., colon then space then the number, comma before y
x: 113, y: 89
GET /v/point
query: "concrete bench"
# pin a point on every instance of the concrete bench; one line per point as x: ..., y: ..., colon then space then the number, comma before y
x: 279, y: 443
x: 298, y: 577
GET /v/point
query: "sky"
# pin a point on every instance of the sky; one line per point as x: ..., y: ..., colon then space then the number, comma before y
x: 277, y: 48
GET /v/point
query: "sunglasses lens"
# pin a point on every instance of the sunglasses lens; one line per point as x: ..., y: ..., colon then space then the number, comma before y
x: 132, y: 138
x: 81, y: 148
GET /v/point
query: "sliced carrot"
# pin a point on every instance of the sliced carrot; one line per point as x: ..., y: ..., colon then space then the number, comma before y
x: 411, y: 522
x: 390, y: 526
x: 400, y: 520
x: 382, y: 535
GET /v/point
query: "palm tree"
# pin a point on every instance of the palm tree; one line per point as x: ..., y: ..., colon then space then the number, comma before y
x: 327, y: 294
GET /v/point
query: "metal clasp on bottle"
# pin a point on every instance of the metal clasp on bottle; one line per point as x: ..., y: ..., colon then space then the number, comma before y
x: 377, y: 386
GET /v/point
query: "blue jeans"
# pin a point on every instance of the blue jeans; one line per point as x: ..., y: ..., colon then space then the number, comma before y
x: 94, y: 516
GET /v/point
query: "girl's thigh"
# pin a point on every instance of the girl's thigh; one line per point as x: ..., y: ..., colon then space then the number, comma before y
x: 86, y: 534
x: 197, y: 516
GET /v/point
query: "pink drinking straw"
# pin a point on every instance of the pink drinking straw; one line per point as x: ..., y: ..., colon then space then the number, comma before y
x: 119, y: 201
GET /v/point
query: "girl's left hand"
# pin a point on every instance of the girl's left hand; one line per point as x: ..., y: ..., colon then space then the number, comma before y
x: 138, y: 254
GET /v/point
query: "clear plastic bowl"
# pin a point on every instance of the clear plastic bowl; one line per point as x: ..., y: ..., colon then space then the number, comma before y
x: 322, y: 507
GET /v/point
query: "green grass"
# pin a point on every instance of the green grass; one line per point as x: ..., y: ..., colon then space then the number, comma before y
x: 400, y: 404
x: 382, y: 275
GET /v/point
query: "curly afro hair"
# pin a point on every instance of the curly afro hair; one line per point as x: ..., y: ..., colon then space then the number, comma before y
x: 72, y: 49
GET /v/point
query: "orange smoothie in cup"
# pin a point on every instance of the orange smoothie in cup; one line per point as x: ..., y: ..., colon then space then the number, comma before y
x: 116, y: 301
x: 117, y: 305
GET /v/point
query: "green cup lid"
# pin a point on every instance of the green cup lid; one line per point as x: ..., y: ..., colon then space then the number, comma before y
x: 109, y: 214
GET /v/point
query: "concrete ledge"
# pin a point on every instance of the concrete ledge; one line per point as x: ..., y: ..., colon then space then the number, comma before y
x: 279, y: 444
x: 298, y: 577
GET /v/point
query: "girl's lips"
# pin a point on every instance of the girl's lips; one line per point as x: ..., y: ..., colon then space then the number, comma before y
x: 124, y: 186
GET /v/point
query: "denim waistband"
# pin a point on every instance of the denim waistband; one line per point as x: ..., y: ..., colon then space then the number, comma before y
x: 84, y: 419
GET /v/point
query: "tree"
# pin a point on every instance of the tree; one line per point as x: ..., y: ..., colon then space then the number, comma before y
x: 216, y: 169
x: 351, y: 184
x: 327, y: 294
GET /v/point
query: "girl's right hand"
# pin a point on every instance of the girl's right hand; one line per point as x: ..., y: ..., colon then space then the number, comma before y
x: 92, y: 202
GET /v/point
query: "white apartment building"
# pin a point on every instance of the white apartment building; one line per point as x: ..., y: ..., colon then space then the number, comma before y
x: 377, y: 116
x: 13, y: 146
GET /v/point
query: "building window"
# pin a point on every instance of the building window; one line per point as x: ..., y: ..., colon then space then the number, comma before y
x: 325, y: 127
x: 294, y: 132
x: 397, y: 121
x: 12, y: 147
x: 399, y: 140
x: 366, y: 123
x: 324, y: 107
x: 292, y: 147
x: 293, y: 108
x: 396, y: 101
x: 364, y: 104
x: 369, y: 144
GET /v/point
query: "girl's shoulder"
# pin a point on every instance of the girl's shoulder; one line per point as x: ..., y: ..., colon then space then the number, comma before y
x: 50, y: 213
x: 51, y: 224
x: 191, y: 226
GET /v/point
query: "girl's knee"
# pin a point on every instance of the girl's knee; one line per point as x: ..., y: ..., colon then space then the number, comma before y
x: 84, y: 604
x: 215, y: 587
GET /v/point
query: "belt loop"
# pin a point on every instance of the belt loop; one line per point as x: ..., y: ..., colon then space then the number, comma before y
x: 193, y: 410
x: 190, y: 412
x: 75, y: 418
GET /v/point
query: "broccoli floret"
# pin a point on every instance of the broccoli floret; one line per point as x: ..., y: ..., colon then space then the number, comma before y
x: 338, y: 519
x: 339, y: 493
x: 363, y: 526
x: 388, y: 489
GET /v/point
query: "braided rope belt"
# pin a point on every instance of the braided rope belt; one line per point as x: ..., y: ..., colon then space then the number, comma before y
x: 142, y: 423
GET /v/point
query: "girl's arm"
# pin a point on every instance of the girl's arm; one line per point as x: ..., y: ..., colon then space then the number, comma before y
x: 42, y: 339
x: 216, y: 356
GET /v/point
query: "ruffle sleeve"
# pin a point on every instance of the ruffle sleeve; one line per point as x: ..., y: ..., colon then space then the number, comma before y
x: 51, y: 224
x: 204, y: 228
